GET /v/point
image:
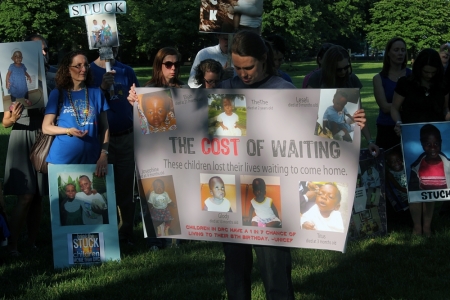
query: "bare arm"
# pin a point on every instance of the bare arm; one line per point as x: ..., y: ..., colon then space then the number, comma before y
x: 380, y: 97
x: 397, y: 102
x: 102, y: 162
x: 28, y: 76
x: 8, y: 84
x: 446, y: 111
x: 49, y: 127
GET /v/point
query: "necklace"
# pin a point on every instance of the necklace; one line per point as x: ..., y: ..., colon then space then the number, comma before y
x: 85, y: 111
x: 427, y: 91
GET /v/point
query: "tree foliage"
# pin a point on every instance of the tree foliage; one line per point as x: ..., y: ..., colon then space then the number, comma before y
x: 305, y: 24
x: 423, y: 24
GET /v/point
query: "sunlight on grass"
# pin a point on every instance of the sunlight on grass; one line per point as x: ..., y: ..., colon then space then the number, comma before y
x: 396, y: 266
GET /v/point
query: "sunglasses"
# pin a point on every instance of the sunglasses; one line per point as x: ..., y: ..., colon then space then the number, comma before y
x: 342, y: 69
x: 169, y: 64
x: 81, y: 66
x: 211, y: 81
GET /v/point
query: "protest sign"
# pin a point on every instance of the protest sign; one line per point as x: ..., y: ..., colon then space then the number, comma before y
x: 96, y: 8
x: 19, y: 60
x: 222, y: 16
x: 222, y: 184
x: 427, y: 166
x: 396, y: 184
x: 102, y: 31
x: 83, y: 216
x: 369, y: 207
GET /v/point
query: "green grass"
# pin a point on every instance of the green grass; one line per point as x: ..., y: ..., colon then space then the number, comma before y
x: 397, y: 266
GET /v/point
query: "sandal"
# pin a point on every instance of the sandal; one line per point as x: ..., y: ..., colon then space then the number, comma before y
x: 14, y: 253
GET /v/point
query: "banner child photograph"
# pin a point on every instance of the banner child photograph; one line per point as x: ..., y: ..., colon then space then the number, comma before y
x: 83, y: 215
x: 22, y: 75
x: 244, y: 188
x: 426, y: 152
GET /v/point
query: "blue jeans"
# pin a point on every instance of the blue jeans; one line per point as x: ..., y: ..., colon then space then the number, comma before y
x: 275, y: 266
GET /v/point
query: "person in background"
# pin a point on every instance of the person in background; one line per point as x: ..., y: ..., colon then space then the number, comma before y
x: 384, y: 83
x: 279, y: 52
x: 115, y: 86
x: 337, y: 72
x: 166, y: 70
x: 218, y: 53
x: 21, y: 179
x: 81, y: 133
x: 254, y: 64
x: 208, y: 73
x: 319, y: 58
x: 419, y: 98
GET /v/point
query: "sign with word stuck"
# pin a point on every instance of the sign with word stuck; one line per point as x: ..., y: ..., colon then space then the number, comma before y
x: 230, y: 165
x: 97, y: 8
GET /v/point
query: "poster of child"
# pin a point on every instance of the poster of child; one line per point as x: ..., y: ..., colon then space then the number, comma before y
x: 159, y: 206
x: 82, y: 199
x: 218, y: 192
x: 426, y: 159
x: 234, y: 15
x: 102, y: 31
x: 396, y: 184
x: 22, y: 75
x: 156, y: 112
x: 336, y: 109
x: 227, y: 115
x: 324, y: 215
x: 261, y: 201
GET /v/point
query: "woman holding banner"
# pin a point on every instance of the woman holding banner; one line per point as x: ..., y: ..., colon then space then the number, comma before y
x: 337, y: 72
x: 422, y: 97
x: 166, y: 69
x: 82, y: 132
x: 253, y: 61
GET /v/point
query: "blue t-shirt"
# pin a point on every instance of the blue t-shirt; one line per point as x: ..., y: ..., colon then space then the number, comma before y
x: 389, y: 88
x: 331, y: 115
x: 120, y: 114
x: 74, y: 150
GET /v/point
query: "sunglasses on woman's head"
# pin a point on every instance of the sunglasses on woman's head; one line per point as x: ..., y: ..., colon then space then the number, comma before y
x: 169, y: 64
x: 343, y: 69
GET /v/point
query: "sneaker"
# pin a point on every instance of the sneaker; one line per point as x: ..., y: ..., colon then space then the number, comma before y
x: 154, y: 248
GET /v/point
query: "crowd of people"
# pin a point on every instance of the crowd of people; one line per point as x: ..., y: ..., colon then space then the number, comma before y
x: 90, y: 115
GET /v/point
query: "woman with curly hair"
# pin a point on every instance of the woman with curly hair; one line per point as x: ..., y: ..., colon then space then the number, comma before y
x: 82, y: 117
x: 208, y: 73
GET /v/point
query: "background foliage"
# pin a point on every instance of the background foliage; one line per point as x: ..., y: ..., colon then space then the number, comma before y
x: 305, y: 24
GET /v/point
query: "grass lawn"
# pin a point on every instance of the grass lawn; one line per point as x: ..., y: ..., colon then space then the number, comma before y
x: 397, y: 266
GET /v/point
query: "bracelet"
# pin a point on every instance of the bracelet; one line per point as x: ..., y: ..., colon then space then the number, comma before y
x: 104, y: 151
x: 68, y: 132
x: 398, y: 123
x: 371, y: 142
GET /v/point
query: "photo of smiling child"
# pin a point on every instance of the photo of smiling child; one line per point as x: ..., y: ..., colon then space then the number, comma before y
x: 156, y: 112
x: 227, y: 115
x: 324, y: 215
x: 337, y: 120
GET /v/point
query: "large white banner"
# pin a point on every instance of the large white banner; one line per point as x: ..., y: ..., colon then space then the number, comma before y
x: 274, y: 167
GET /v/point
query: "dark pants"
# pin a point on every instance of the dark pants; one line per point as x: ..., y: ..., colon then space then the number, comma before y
x: 386, y: 137
x: 275, y: 267
x: 121, y: 156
